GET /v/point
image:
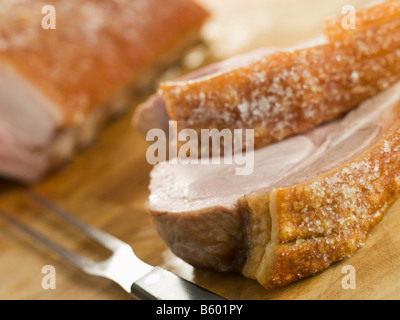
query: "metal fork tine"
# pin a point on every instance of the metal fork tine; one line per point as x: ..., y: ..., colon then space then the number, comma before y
x: 118, y: 267
x: 77, y: 260
x: 103, y: 238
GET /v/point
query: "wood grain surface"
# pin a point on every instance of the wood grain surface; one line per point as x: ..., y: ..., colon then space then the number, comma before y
x: 106, y: 186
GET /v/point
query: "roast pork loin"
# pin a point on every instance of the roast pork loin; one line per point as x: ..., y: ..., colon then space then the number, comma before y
x: 311, y: 200
x: 65, y: 71
x: 282, y: 93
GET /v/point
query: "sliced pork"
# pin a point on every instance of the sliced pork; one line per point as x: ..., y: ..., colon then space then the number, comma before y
x: 311, y: 200
x: 282, y: 93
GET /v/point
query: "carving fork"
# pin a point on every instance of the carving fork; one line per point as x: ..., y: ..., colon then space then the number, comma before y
x: 139, y: 279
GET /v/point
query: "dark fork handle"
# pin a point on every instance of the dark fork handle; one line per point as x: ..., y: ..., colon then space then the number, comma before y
x: 161, y: 284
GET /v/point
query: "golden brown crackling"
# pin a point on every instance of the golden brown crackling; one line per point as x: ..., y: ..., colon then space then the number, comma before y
x: 106, y: 47
x: 325, y: 219
x: 305, y: 257
x: 347, y: 195
x: 294, y: 261
x: 289, y: 92
x: 365, y: 18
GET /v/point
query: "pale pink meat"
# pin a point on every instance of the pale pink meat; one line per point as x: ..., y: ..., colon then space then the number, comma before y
x: 196, y: 208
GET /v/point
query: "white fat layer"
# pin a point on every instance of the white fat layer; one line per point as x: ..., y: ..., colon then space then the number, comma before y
x: 30, y: 117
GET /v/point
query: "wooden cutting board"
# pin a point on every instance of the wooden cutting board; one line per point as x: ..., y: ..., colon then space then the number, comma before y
x: 106, y: 186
